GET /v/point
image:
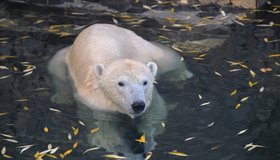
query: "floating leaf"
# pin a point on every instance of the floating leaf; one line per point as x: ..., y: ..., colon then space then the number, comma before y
x: 54, y: 150
x: 265, y: 39
x: 11, y: 140
x: 25, y: 108
x: 211, y: 124
x: 199, y: 96
x: 76, y: 131
x: 244, y: 99
x: 176, y: 153
x: 142, y: 139
x: 69, y: 136
x: 24, y: 148
x: 149, y: 156
x: 261, y: 89
x: 176, y: 48
x: 46, y: 129
x: 241, y: 132
x: 6, y: 135
x: 234, y: 70
x: 252, y: 146
x: 82, y: 123
x: 213, y: 148
x: 3, y: 151
x: 274, y: 55
x: 233, y: 92
x: 217, y: 73
x: 67, y: 152
x: 253, y: 74
x: 91, y: 149
x: 75, y: 145
x: 204, y: 104
x: 251, y: 84
x: 7, y: 156
x: 112, y: 156
x: 237, y: 106
x: 115, y: 21
x: 264, y: 70
x: 4, y: 77
x: 94, y: 130
x: 55, y: 110
x: 51, y: 156
x: 4, y: 67
x: 162, y: 124
x: 190, y: 138
x: 147, y: 7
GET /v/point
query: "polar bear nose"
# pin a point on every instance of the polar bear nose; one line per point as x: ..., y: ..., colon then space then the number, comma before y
x: 138, y: 107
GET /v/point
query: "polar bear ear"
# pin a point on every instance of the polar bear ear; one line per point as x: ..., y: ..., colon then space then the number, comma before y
x: 98, y: 70
x: 153, y: 68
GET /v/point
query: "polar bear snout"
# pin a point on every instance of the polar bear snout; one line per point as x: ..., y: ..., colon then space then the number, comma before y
x: 138, y: 107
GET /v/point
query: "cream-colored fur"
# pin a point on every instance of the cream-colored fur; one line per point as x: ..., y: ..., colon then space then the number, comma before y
x: 115, y: 49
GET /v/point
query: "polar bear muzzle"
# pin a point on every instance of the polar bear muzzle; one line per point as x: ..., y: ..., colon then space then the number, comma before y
x: 138, y: 107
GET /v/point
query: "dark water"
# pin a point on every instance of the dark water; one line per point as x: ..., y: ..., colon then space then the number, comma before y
x: 29, y: 38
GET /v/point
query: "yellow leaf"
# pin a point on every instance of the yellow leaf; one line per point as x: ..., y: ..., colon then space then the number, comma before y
x: 25, y: 108
x: 7, y: 156
x: 172, y: 10
x: 264, y: 70
x: 237, y: 106
x: 253, y: 74
x: 61, y: 156
x: 243, y: 65
x: 52, y: 156
x: 142, y: 139
x: 176, y: 153
x: 36, y: 154
x: 112, y: 156
x: 75, y: 145
x: 274, y: 55
x: 94, y: 130
x: 76, y: 131
x: 251, y: 84
x: 233, y: 92
x: 39, y: 21
x: 67, y: 152
x: 265, y: 40
x: 46, y: 129
x: 3, y: 113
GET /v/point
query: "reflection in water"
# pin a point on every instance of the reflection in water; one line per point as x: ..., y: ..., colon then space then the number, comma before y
x: 26, y: 109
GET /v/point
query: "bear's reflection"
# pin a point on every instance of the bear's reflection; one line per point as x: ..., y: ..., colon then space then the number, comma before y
x: 118, y: 132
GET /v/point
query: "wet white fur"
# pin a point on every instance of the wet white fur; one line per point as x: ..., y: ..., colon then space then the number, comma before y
x: 101, y: 54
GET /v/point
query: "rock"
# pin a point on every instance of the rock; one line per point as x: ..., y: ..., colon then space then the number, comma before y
x: 252, y: 4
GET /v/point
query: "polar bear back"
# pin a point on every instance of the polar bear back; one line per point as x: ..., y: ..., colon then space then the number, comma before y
x: 105, y: 43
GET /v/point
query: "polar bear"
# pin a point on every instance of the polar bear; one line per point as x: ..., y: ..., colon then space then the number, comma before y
x: 113, y: 69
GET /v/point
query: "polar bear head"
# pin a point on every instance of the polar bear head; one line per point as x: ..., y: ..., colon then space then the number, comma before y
x: 128, y: 84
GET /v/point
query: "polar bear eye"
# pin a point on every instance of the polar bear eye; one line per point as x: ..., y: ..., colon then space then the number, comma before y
x: 121, y: 84
x: 145, y: 83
